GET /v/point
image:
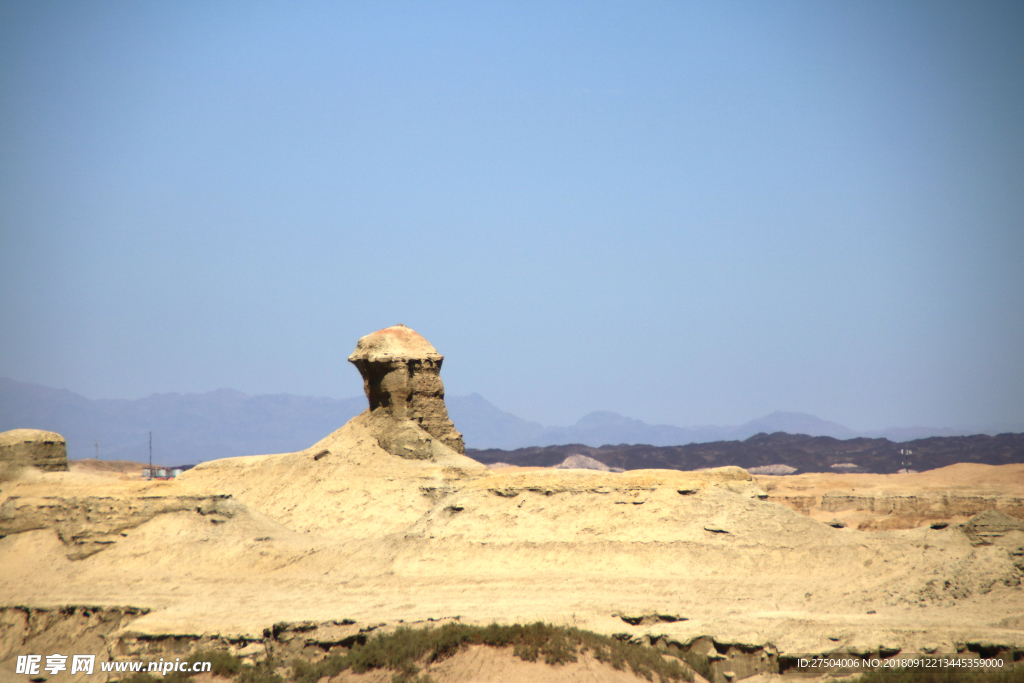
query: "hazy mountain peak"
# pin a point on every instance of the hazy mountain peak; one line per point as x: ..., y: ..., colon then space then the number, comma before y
x: 798, y: 423
x: 606, y: 418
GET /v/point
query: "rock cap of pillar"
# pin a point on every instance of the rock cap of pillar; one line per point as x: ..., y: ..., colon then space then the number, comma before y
x: 29, y: 436
x: 398, y: 343
x: 37, y: 448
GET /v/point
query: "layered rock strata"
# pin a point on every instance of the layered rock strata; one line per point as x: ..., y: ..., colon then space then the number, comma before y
x: 402, y: 380
x: 878, y: 502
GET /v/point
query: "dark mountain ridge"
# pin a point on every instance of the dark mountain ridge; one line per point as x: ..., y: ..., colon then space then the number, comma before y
x: 803, y: 452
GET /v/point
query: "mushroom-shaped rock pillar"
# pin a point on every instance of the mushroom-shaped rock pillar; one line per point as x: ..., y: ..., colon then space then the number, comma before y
x: 32, y: 448
x: 402, y: 379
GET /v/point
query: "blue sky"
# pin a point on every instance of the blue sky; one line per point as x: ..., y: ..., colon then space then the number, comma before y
x: 687, y: 213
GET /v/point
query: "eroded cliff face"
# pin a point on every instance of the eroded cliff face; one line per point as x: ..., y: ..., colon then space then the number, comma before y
x: 880, y: 502
x: 402, y: 380
x: 89, y: 524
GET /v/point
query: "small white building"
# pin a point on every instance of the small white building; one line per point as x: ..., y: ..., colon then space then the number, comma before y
x: 164, y: 472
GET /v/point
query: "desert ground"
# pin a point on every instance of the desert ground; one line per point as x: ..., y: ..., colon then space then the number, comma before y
x: 344, y: 531
x: 382, y: 523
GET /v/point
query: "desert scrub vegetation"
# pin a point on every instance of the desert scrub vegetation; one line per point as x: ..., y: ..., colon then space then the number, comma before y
x: 402, y: 651
x: 1014, y: 674
x: 699, y: 663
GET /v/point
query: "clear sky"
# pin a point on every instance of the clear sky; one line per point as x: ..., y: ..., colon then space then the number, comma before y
x: 687, y: 213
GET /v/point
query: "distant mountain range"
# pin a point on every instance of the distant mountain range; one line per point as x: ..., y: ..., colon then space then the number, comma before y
x: 486, y: 426
x: 187, y: 428
x: 795, y: 453
x: 193, y: 428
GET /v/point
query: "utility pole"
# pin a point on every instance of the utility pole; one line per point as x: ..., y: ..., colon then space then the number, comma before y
x: 151, y: 455
x: 97, y: 449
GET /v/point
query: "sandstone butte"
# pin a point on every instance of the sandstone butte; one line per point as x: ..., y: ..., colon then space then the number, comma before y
x: 385, y: 522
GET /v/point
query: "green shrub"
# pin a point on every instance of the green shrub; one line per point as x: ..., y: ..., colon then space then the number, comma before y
x: 401, y: 650
x: 700, y: 663
x: 263, y: 672
x: 221, y: 663
x: 403, y: 678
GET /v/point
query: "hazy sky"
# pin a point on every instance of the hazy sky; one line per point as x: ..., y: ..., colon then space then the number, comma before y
x: 688, y: 213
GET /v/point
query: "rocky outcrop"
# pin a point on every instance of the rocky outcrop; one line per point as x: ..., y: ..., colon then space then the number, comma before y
x: 89, y: 524
x: 992, y: 527
x: 583, y: 462
x: 937, y: 504
x: 78, y: 629
x: 21, y: 448
x: 402, y: 380
x: 868, y: 503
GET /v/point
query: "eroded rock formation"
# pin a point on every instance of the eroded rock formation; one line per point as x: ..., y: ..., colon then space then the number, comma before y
x: 21, y: 448
x: 89, y: 524
x: 402, y: 380
x: 993, y: 527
